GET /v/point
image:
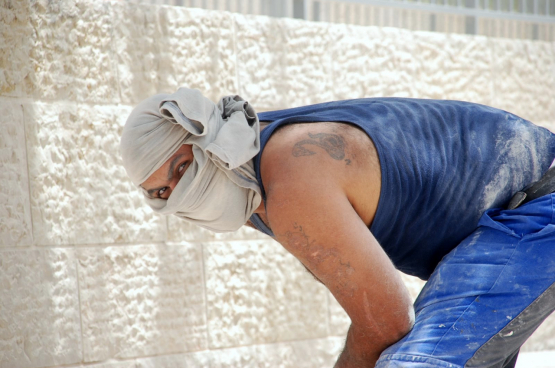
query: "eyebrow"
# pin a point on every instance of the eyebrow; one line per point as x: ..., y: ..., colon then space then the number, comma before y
x: 170, y: 175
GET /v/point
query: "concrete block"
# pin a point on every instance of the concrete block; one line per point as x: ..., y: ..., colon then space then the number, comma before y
x: 389, y: 62
x: 452, y: 66
x: 283, y: 62
x: 524, y: 78
x: 191, y: 360
x: 39, y: 309
x: 339, y: 319
x: 543, y: 338
x: 303, y: 354
x: 259, y: 293
x: 160, y: 49
x: 308, y: 62
x: 17, y: 74
x: 373, y: 62
x: 261, y: 70
x: 543, y: 359
x: 180, y: 230
x: 414, y: 285
x: 126, y: 364
x: 299, y: 354
x: 58, y: 50
x: 547, y: 125
x: 80, y: 193
x: 139, y: 301
x: 15, y: 211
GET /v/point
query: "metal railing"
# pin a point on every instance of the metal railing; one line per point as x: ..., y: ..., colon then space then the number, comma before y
x: 528, y: 19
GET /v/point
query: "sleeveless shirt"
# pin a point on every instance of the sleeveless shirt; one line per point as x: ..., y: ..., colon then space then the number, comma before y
x: 443, y: 163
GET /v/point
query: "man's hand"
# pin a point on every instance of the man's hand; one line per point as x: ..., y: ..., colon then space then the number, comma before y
x: 314, y: 185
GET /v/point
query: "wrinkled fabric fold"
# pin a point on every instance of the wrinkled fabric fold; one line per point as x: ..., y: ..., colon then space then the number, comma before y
x: 219, y: 190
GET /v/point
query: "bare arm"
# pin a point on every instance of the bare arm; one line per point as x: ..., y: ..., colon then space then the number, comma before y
x: 310, y: 211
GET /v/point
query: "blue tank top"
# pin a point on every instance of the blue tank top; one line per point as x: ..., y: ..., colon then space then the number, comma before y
x: 443, y: 164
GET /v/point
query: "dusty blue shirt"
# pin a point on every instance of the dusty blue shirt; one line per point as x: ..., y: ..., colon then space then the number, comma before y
x: 443, y: 164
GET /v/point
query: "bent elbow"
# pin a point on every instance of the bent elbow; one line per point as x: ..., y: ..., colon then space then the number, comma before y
x: 402, y: 324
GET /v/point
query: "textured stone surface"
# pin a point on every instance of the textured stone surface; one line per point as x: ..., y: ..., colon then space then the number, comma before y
x: 524, y: 78
x: 15, y: 211
x: 339, y: 320
x: 191, y: 360
x: 308, y: 62
x: 547, y: 124
x: 39, y: 309
x: 451, y: 66
x: 181, y: 230
x: 302, y: 354
x: 16, y: 70
x: 282, y: 62
x: 80, y: 193
x: 127, y: 364
x: 543, y: 338
x: 141, y: 300
x: 159, y: 49
x: 58, y: 50
x: 258, y: 293
x: 373, y: 62
x: 545, y: 359
x: 413, y: 284
x: 261, y: 62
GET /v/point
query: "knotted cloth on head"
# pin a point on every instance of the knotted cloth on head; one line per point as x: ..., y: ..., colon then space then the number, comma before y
x: 219, y: 190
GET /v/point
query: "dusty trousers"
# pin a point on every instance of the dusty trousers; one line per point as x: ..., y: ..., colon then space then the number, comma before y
x: 487, y: 296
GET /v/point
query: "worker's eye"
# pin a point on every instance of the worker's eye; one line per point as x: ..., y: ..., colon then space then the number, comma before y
x: 161, y: 192
x: 182, y: 167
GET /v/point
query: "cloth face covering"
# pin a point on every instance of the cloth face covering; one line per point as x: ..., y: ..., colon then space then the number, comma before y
x: 219, y: 190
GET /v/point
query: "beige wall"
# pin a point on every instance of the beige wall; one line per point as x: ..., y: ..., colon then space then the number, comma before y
x: 342, y: 11
x: 88, y: 274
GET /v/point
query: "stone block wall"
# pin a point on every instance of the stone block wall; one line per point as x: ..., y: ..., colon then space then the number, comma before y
x: 89, y: 275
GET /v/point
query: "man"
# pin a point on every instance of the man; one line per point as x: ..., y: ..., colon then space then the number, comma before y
x: 358, y: 189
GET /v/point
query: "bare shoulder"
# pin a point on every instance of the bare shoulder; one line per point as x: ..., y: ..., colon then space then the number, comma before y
x: 323, y: 157
x: 340, y: 141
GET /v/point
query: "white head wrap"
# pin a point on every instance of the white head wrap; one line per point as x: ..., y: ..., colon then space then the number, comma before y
x: 219, y: 190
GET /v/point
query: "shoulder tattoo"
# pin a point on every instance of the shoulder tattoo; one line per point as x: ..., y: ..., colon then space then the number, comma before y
x: 333, y: 144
